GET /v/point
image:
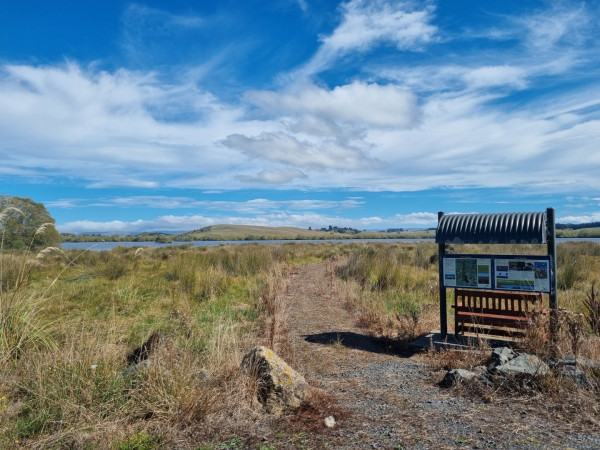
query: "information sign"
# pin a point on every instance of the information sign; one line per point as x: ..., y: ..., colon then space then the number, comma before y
x: 507, y: 273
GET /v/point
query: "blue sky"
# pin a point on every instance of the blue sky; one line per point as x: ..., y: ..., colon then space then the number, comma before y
x: 125, y: 117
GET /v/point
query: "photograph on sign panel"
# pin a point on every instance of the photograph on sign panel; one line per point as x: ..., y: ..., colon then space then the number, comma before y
x: 466, y: 272
x: 521, y: 266
x: 541, y: 270
x: 483, y: 274
x: 502, y: 271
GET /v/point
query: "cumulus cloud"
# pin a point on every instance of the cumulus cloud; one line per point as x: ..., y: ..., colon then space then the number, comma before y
x: 587, y: 218
x: 358, y: 102
x: 417, y: 219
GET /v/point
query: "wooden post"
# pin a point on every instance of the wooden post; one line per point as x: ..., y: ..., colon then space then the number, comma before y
x: 551, y: 245
x: 443, y: 307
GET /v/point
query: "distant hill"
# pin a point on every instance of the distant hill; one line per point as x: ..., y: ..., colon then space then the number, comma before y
x: 252, y: 232
x: 577, y: 226
x: 578, y: 230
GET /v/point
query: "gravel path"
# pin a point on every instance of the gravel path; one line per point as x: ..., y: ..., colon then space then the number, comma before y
x: 393, y: 400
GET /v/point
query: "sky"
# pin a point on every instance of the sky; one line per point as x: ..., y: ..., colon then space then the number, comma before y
x: 125, y: 117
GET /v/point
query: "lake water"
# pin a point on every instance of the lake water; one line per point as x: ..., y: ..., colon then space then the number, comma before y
x: 100, y: 246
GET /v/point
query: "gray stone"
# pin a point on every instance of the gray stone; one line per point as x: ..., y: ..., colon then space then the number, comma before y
x: 134, y: 369
x: 457, y: 376
x: 500, y: 356
x: 575, y: 374
x: 523, y: 364
x: 569, y: 360
x: 278, y: 386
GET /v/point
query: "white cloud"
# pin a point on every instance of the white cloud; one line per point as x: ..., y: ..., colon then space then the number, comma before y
x: 407, y: 125
x: 490, y: 76
x: 367, y: 23
x: 561, y: 24
x: 417, y: 219
x: 286, y: 149
x: 123, y: 183
x: 358, y: 102
x: 591, y: 217
x: 109, y: 128
x: 254, y: 206
x: 174, y: 223
x: 273, y: 176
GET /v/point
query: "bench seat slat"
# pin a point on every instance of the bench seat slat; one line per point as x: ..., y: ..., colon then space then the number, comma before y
x: 512, y: 332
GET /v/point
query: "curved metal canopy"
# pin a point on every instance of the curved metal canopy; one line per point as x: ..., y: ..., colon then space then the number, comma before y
x: 493, y: 228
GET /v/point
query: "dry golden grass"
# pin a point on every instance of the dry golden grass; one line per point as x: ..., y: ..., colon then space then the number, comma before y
x: 71, y: 386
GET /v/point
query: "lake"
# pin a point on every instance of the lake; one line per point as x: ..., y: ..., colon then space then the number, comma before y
x: 101, y: 246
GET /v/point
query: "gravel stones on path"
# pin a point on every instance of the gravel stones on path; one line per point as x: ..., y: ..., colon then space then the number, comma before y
x: 395, y: 400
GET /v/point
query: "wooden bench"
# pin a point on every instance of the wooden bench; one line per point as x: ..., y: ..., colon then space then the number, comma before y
x: 495, y: 312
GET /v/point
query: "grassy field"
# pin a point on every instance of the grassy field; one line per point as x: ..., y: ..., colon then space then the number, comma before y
x: 71, y: 322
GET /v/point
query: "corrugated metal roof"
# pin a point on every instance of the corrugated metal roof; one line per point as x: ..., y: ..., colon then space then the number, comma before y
x: 493, y: 228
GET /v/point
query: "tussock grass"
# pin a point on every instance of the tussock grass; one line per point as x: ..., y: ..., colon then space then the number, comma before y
x: 393, y: 288
x: 66, y: 378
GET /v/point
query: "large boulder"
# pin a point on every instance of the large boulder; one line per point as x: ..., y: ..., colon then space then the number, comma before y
x: 523, y: 364
x: 279, y: 387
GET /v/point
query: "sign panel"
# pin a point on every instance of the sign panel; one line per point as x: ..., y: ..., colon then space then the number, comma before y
x: 522, y: 275
x: 506, y: 273
x: 468, y: 272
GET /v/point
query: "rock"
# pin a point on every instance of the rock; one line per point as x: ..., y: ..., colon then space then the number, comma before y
x: 500, y: 356
x: 457, y: 376
x: 279, y: 387
x: 144, y: 351
x: 569, y: 360
x: 575, y: 374
x: 139, y: 359
x: 523, y: 364
x: 133, y: 369
x: 330, y: 421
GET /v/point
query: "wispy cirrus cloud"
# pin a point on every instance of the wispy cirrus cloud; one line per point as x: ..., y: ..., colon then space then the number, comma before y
x: 257, y: 205
x: 365, y: 24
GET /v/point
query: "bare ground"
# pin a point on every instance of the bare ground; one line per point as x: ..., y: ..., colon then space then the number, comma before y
x: 388, y: 397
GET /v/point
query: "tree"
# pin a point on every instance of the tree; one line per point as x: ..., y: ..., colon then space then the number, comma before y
x: 25, y: 223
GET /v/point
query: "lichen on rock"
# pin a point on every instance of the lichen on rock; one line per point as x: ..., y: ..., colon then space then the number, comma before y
x: 279, y: 387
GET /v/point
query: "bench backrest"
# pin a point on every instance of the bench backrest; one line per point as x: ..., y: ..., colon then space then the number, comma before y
x: 521, y: 304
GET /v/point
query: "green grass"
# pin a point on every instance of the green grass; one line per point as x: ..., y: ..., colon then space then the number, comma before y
x: 65, y: 378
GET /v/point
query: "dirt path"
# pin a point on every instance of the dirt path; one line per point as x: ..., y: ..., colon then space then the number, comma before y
x: 393, y: 398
